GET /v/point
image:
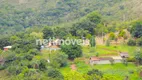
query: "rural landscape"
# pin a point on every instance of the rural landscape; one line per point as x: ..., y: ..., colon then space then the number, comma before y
x: 70, y: 39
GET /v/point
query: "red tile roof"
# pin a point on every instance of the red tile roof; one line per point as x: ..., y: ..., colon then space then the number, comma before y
x: 98, y: 59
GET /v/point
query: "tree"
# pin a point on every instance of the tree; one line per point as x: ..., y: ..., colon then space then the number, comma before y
x: 37, y: 35
x: 34, y: 52
x: 138, y: 57
x: 94, y: 17
x: 139, y: 41
x: 1, y: 51
x: 111, y: 77
x: 58, y: 60
x: 131, y: 42
x: 72, y: 51
x: 14, y: 70
x: 122, y: 33
x: 14, y: 39
x: 4, y: 42
x: 74, y: 75
x: 88, y: 22
x: 112, y: 36
x: 108, y: 42
x: 96, y: 74
x: 43, y: 65
x: 55, y: 74
x: 136, y: 29
x: 47, y: 33
x: 95, y: 71
x: 92, y: 41
x: 81, y: 33
x: 61, y: 32
x: 88, y: 36
x: 9, y: 56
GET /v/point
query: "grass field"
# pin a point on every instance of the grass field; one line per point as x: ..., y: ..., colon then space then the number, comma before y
x: 117, y: 70
x: 103, y: 50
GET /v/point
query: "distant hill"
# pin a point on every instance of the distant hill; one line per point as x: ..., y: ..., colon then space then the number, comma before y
x: 20, y: 14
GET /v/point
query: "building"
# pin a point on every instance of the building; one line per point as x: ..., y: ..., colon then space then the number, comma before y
x: 53, y: 48
x: 6, y: 48
x: 94, y: 60
x: 124, y: 54
x: 105, y: 60
x: 53, y: 45
x: 97, y: 60
x: 117, y: 59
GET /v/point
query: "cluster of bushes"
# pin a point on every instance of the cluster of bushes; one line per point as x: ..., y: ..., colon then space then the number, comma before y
x: 24, y: 60
x: 137, y: 42
x: 136, y: 31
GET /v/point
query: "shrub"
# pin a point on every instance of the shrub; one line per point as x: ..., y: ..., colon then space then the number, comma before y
x: 139, y: 41
x: 73, y: 51
x: 108, y: 42
x: 136, y: 29
x: 53, y: 73
x: 131, y: 59
x: 96, y: 72
x: 2, y: 67
x: 131, y: 42
x: 112, y: 36
x: 76, y: 61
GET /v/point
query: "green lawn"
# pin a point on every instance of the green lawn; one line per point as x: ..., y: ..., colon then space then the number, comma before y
x: 111, y: 50
x: 118, y: 70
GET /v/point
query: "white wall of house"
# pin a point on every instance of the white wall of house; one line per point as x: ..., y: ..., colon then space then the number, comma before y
x: 118, y: 61
x: 104, y: 62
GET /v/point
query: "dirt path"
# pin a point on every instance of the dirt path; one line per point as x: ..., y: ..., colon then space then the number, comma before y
x: 73, y: 67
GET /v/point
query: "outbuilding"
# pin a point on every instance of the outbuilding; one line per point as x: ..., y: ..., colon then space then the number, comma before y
x: 6, y: 48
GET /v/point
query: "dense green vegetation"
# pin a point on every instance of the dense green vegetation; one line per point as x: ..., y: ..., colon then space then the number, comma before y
x: 105, y: 23
x: 16, y: 15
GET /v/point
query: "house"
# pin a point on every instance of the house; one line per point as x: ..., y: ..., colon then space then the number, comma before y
x: 97, y: 60
x: 6, y: 48
x: 105, y: 60
x: 117, y: 59
x: 53, y: 45
x: 94, y: 60
x: 56, y: 42
x: 124, y: 54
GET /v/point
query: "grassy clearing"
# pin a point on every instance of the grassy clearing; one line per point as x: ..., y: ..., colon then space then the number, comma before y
x: 111, y: 50
x: 118, y: 70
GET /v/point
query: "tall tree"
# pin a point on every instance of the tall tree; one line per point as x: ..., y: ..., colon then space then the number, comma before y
x: 72, y: 51
x: 48, y: 33
x: 136, y: 29
x: 92, y: 41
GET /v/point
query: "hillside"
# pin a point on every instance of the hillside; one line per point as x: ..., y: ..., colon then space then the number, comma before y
x: 19, y: 14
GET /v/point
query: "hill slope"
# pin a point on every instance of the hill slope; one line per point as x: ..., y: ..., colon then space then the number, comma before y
x: 20, y: 14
